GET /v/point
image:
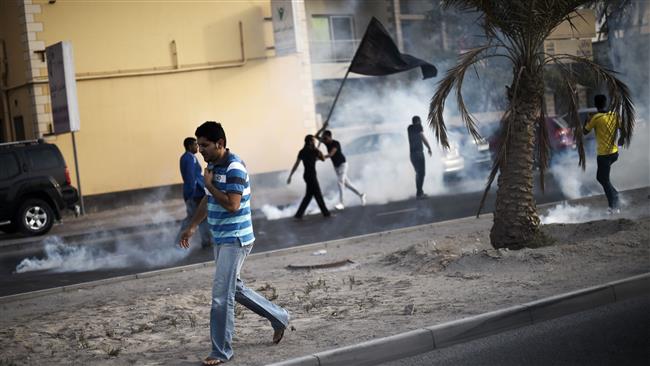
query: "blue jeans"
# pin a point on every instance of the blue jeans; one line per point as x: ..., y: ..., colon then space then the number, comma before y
x: 228, y: 288
x: 204, y: 229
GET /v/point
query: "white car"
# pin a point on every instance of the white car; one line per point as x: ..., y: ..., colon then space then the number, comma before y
x: 465, y: 155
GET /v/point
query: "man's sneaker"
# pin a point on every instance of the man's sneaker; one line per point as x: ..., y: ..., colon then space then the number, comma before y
x: 339, y: 206
x: 613, y: 211
x: 363, y: 199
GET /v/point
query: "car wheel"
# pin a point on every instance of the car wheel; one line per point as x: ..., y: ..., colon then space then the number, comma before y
x: 35, y: 217
x: 450, y: 178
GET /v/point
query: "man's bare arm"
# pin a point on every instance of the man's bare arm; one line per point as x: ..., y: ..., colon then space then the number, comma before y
x: 331, y: 153
x: 229, y: 201
x: 426, y: 142
x: 199, y: 215
x: 295, y: 166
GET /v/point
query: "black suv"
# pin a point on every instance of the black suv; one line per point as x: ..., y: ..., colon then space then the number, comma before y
x: 34, y: 187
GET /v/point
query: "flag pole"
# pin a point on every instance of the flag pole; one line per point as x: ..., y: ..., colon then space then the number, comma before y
x: 336, y: 98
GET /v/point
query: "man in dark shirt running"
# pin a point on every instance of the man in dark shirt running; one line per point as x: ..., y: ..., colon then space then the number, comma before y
x: 416, y: 139
x: 308, y: 155
x: 340, y: 167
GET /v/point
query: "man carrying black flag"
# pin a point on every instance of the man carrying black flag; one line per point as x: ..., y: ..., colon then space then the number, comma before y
x: 378, y: 55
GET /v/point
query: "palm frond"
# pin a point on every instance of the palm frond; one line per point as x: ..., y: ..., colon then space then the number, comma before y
x: 500, y: 159
x: 619, y: 94
x: 454, y: 78
x: 574, y: 122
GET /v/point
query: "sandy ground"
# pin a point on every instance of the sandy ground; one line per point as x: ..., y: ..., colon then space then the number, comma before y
x: 395, y: 282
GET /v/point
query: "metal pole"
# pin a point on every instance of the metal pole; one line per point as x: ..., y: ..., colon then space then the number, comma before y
x: 336, y: 98
x: 76, y: 168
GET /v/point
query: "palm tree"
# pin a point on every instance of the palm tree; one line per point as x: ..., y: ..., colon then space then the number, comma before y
x: 516, y: 29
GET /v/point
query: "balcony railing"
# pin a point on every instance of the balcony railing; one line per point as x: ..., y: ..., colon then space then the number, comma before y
x: 333, y: 51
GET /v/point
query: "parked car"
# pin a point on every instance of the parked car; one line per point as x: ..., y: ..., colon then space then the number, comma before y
x: 375, y: 142
x: 466, y: 155
x: 560, y: 135
x: 378, y: 151
x: 584, y: 114
x: 34, y: 187
x: 462, y: 158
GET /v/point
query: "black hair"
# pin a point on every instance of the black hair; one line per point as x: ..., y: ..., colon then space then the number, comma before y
x: 188, y: 142
x: 327, y: 133
x: 212, y: 131
x: 309, y: 139
x: 600, y: 101
x: 416, y: 119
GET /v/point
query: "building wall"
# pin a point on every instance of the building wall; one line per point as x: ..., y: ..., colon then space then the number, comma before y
x: 148, y: 73
x: 14, y: 40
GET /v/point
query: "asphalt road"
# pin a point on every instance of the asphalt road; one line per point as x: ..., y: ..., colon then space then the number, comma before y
x: 616, y: 334
x: 129, y: 253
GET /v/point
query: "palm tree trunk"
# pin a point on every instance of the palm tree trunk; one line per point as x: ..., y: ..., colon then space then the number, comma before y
x: 516, y: 222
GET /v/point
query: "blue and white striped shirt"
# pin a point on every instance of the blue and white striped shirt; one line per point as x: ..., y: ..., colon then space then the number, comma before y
x: 230, y: 227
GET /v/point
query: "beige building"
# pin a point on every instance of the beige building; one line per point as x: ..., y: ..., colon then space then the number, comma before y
x: 147, y: 73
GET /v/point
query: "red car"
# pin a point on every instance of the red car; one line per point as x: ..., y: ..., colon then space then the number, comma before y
x: 560, y: 135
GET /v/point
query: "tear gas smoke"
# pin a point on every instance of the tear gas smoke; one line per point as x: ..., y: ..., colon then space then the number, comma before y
x: 568, y: 214
x: 144, y: 249
x: 375, y: 143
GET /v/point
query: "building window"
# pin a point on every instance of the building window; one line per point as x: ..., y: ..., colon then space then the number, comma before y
x: 19, y: 127
x: 332, y: 38
x: 9, y: 166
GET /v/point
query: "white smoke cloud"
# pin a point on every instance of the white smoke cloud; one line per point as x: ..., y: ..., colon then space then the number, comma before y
x: 144, y: 249
x: 571, y: 214
x: 384, y: 173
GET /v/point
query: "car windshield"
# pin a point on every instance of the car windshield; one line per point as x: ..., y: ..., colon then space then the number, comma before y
x: 372, y: 143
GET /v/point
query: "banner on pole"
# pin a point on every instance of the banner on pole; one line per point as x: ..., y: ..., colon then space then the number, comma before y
x: 284, y: 27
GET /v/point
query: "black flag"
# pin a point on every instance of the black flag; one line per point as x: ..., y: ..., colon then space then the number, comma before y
x: 378, y: 55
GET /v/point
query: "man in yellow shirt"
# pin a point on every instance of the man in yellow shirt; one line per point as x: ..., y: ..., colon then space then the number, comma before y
x: 606, y: 125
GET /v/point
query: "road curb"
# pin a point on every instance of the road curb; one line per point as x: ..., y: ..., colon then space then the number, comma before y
x: 459, y: 331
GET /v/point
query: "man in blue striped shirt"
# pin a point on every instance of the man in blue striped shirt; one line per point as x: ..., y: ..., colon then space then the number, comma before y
x: 227, y: 207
